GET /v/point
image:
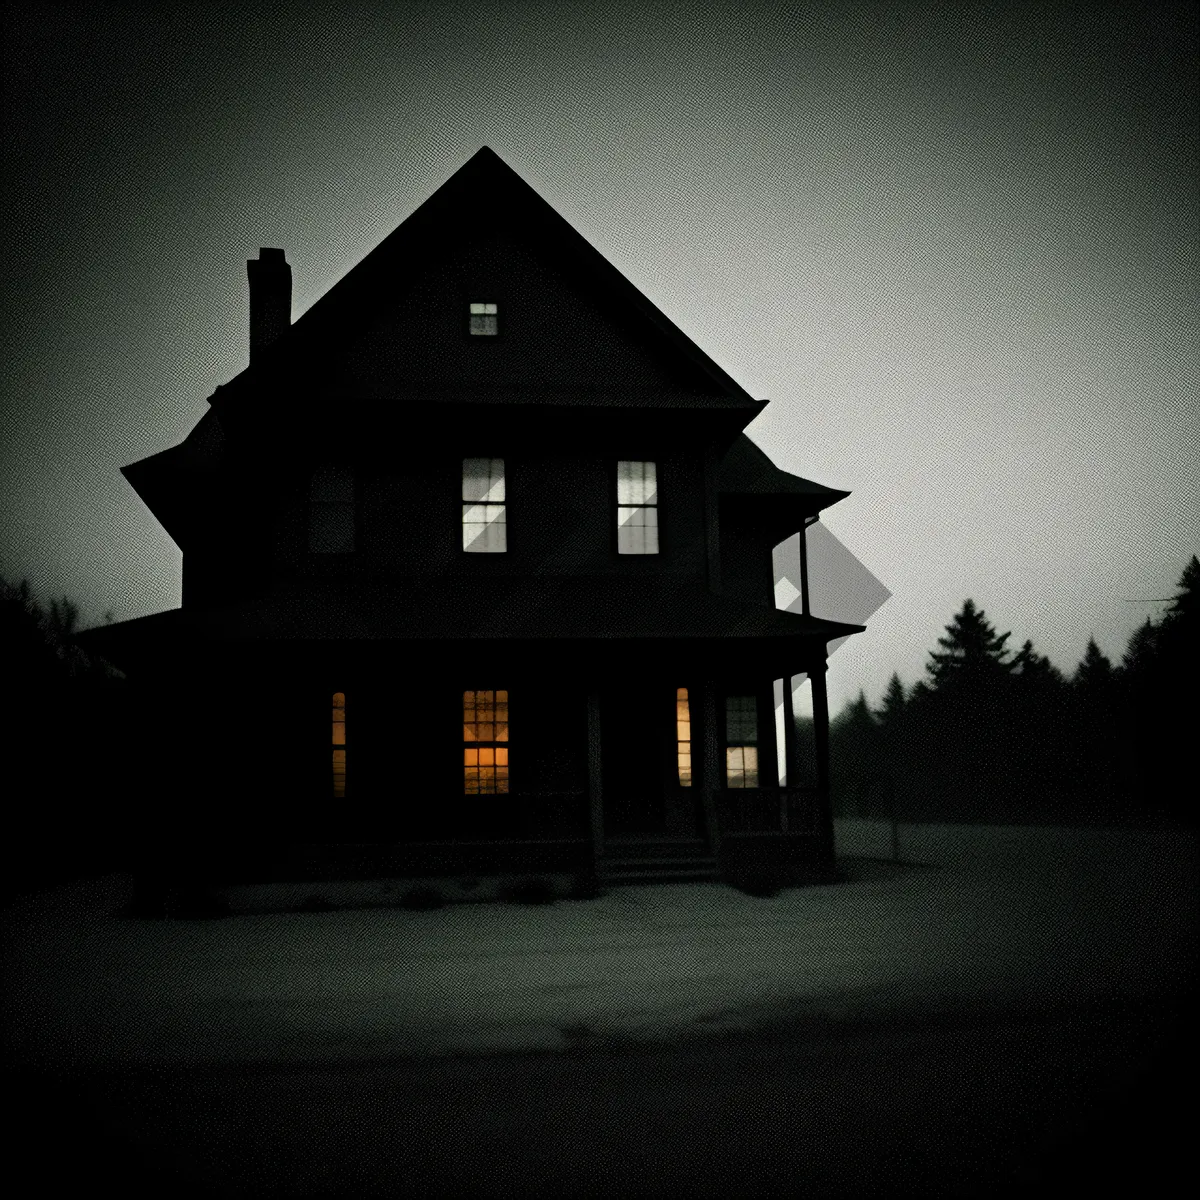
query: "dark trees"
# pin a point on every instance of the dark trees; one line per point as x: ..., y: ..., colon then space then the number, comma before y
x: 990, y: 734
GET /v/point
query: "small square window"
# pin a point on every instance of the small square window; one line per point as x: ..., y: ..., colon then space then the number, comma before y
x: 484, y: 319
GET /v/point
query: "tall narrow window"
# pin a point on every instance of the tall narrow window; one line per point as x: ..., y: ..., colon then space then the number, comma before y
x: 339, y: 745
x: 483, y: 510
x: 331, y: 511
x: 683, y: 737
x: 484, y: 319
x: 741, y: 742
x: 637, y: 508
x: 485, y: 732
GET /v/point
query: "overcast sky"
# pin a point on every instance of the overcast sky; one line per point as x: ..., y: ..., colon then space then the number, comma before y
x: 956, y: 250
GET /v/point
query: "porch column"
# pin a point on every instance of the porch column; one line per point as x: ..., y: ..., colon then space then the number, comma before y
x: 768, y: 748
x: 711, y: 768
x: 820, y: 702
x: 791, y: 740
x: 594, y: 792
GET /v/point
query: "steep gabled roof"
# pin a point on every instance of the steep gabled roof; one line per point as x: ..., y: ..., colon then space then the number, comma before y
x: 510, y: 203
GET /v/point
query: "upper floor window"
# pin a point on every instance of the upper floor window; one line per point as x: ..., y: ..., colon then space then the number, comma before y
x: 331, y: 511
x: 483, y: 510
x: 741, y: 742
x: 637, y: 508
x: 484, y: 319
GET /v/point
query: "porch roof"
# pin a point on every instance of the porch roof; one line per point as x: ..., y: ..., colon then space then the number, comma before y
x: 594, y: 610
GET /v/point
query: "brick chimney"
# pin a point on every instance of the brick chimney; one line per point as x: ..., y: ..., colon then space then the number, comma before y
x: 270, y: 298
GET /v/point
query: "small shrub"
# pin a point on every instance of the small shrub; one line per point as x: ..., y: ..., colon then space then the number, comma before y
x: 421, y: 899
x: 585, y: 885
x: 529, y: 891
x: 761, y: 884
x: 315, y: 903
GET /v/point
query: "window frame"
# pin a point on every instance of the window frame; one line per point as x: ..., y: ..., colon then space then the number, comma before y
x: 311, y: 504
x: 494, y: 744
x: 727, y: 744
x: 337, y: 747
x: 464, y: 504
x: 497, y: 302
x: 615, y: 506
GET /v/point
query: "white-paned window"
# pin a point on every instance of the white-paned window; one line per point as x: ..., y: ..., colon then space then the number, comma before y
x: 484, y: 319
x: 637, y: 508
x: 741, y: 742
x: 483, y: 510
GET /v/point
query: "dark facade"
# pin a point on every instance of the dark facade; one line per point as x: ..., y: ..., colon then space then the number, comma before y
x: 367, y: 676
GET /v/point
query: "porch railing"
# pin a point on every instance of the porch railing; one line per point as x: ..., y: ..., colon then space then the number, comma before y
x: 541, y: 815
x: 767, y: 810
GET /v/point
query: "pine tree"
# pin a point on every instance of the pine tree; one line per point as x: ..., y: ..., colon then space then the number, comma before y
x: 972, y: 651
x: 894, y: 701
x: 853, y: 737
x: 1095, y: 674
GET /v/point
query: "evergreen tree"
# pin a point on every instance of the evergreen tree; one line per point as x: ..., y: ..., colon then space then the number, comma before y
x: 894, y: 701
x: 971, y: 652
x: 1095, y: 674
x: 853, y: 754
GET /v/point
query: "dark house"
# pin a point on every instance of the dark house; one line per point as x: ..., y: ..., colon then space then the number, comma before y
x: 477, y: 577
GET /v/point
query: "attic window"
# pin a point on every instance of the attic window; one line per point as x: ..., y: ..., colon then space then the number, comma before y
x: 637, y: 508
x: 483, y: 510
x: 484, y: 319
x: 331, y: 511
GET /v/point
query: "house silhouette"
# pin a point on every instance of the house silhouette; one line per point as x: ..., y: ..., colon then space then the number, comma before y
x: 477, y: 577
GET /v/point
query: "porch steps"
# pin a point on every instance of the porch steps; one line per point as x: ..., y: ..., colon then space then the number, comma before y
x: 656, y: 860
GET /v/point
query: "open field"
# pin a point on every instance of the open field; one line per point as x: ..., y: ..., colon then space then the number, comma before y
x: 990, y: 918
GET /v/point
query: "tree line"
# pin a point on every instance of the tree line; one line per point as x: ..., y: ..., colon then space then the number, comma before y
x: 71, y: 745
x: 993, y: 734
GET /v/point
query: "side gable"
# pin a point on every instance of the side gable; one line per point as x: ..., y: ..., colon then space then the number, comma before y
x: 749, y: 482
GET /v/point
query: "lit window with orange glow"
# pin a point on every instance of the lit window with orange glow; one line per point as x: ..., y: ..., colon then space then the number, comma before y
x: 637, y: 508
x: 741, y: 742
x: 485, y: 734
x: 483, y: 507
x: 683, y: 737
x: 339, y: 745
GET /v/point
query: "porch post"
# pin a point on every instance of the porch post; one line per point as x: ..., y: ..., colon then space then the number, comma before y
x: 791, y: 740
x: 595, y: 797
x: 710, y: 765
x: 768, y: 749
x: 820, y: 703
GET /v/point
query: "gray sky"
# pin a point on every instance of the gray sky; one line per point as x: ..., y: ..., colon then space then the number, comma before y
x: 956, y: 250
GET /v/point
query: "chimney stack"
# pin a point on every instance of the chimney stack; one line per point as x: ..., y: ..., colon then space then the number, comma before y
x: 270, y: 298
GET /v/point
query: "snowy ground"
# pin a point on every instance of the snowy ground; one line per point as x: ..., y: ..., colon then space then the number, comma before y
x: 989, y: 917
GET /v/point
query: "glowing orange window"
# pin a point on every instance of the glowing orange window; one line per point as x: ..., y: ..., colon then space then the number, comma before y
x: 485, y: 734
x: 339, y: 744
x: 683, y: 737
